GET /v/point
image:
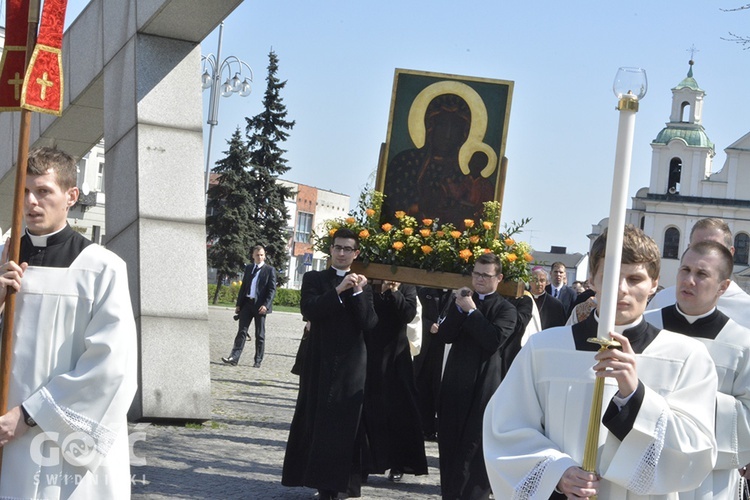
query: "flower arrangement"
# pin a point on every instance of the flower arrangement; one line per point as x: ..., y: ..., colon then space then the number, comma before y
x: 429, y: 245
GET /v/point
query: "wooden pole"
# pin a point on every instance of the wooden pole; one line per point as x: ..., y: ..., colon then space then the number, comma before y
x: 6, y: 350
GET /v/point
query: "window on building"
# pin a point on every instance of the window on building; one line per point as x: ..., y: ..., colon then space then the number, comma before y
x: 304, y: 227
x: 642, y: 224
x: 675, y: 174
x: 100, y: 175
x: 685, y: 112
x: 741, y: 248
x: 671, y: 243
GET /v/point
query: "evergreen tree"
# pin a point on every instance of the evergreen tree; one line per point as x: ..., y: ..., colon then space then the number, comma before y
x: 268, y: 223
x: 232, y: 207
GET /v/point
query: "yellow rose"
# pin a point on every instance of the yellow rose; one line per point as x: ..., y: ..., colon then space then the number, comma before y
x: 364, y: 234
x: 456, y: 234
x: 427, y: 222
x: 386, y: 227
x: 408, y: 231
x: 528, y: 257
x: 512, y: 257
x: 349, y: 220
x: 465, y: 254
x: 397, y: 245
x: 425, y: 232
x: 486, y: 250
x: 331, y: 232
x: 487, y: 225
x: 509, y: 242
x: 426, y: 249
x: 469, y: 223
x: 439, y: 234
x: 370, y: 212
x: 474, y: 239
x: 400, y: 214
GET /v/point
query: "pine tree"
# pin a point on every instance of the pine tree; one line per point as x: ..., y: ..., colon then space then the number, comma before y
x: 265, y: 131
x: 228, y: 231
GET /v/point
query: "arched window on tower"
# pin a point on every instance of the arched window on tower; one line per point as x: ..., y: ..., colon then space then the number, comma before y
x: 685, y: 112
x: 642, y: 223
x: 671, y: 243
x: 675, y: 173
x: 741, y: 248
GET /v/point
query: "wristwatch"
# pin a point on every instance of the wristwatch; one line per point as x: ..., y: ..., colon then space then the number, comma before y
x: 28, y: 418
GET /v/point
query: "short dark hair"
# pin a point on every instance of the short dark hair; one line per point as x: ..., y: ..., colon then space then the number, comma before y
x: 708, y: 247
x: 491, y: 258
x: 42, y: 160
x: 637, y: 248
x: 347, y: 234
x: 556, y: 264
x: 257, y: 247
x: 717, y: 224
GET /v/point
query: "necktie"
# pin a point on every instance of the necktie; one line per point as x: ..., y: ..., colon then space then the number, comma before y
x: 556, y: 294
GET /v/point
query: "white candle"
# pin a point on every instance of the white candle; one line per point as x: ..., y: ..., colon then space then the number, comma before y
x: 607, y: 307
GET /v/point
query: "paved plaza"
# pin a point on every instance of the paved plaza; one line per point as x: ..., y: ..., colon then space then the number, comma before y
x: 239, y: 452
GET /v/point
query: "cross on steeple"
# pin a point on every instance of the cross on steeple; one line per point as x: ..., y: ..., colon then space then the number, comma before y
x: 692, y: 51
x: 17, y: 82
x: 45, y: 83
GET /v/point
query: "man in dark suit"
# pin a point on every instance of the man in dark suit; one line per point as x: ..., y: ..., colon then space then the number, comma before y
x: 559, y: 290
x: 254, y: 302
x: 324, y: 449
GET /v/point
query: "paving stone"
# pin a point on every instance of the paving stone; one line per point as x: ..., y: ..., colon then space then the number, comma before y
x: 239, y: 452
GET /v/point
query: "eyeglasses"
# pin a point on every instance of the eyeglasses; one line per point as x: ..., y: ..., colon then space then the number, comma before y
x: 339, y: 248
x: 477, y: 275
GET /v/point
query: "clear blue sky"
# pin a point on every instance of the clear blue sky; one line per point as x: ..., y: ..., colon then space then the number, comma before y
x: 339, y: 56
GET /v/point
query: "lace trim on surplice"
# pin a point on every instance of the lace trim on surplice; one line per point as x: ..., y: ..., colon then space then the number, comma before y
x: 103, y: 437
x: 528, y: 486
x: 645, y: 470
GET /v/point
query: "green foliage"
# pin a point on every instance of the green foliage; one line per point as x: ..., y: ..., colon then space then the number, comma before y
x: 267, y: 224
x: 287, y: 297
x: 227, y: 294
x: 228, y: 234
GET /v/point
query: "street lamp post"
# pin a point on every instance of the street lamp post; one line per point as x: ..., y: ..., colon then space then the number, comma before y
x: 212, y: 73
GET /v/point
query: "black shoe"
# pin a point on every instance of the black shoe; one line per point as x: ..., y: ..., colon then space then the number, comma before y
x: 230, y: 361
x: 325, y: 496
x: 395, y: 475
x: 256, y: 365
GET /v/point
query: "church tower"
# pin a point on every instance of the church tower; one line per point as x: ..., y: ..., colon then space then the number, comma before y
x: 683, y: 189
x: 682, y: 152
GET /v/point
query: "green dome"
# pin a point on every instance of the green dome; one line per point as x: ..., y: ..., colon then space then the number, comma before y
x: 695, y: 137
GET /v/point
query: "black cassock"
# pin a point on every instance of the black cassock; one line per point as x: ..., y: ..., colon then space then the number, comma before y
x: 391, y: 413
x: 472, y: 373
x: 325, y: 433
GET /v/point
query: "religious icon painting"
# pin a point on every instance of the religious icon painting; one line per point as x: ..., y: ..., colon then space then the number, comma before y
x: 446, y: 140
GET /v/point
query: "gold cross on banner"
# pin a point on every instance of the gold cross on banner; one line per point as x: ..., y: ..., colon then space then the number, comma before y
x: 44, y: 82
x: 17, y: 82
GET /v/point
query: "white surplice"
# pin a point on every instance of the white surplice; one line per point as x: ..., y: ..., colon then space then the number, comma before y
x: 730, y: 350
x: 535, y: 425
x: 75, y: 371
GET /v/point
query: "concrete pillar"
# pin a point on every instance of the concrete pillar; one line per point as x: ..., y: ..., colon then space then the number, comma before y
x: 154, y: 155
